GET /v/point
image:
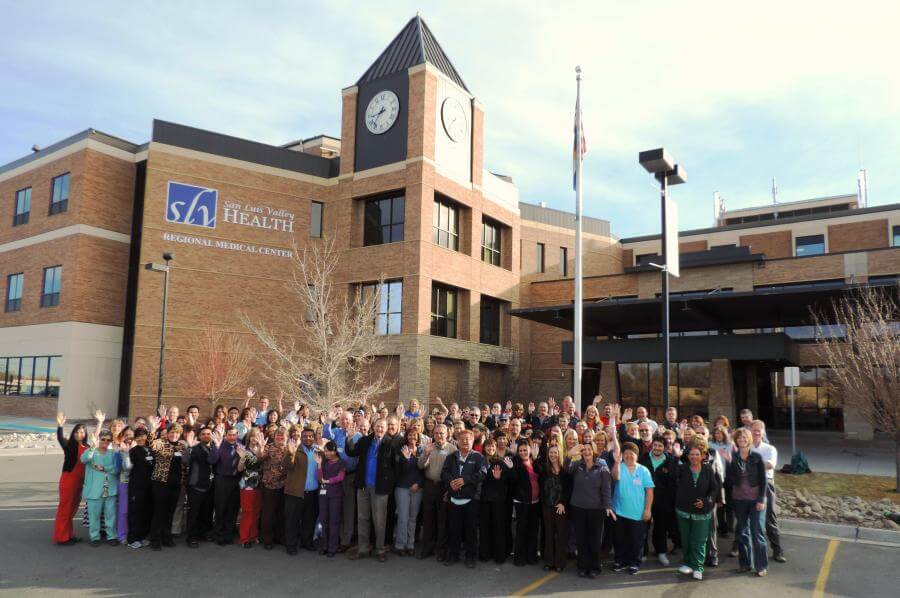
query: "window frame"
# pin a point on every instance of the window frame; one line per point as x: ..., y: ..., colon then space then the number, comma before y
x: 20, y: 218
x: 313, y: 231
x: 492, y: 335
x: 385, y: 308
x: 564, y: 262
x: 392, y: 224
x: 451, y: 233
x: 895, y: 235
x: 51, y: 299
x: 60, y: 205
x: 446, y: 320
x: 491, y: 251
x: 14, y: 303
x: 541, y: 258
x: 797, y: 244
x: 28, y: 363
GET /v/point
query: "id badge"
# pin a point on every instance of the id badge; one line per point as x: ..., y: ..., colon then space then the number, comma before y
x: 322, y: 492
x: 177, y: 454
x: 636, y: 481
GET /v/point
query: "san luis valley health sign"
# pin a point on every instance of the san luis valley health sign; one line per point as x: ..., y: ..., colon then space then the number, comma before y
x: 199, y: 207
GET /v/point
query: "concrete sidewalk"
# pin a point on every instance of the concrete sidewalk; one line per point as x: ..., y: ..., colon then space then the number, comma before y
x: 829, y: 452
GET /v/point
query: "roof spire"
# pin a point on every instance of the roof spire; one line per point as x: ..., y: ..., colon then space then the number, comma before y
x: 414, y: 45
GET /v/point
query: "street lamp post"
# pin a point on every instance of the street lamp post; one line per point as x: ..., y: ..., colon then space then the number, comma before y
x: 662, y: 166
x: 164, y: 268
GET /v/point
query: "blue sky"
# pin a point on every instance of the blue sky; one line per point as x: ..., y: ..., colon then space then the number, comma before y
x: 739, y: 92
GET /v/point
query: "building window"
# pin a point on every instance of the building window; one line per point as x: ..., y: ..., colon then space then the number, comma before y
x: 14, y: 284
x: 315, y: 219
x: 810, y: 245
x: 390, y: 306
x: 490, y: 320
x: 59, y: 200
x: 540, y: 258
x: 817, y: 402
x: 445, y: 224
x: 563, y: 262
x: 384, y: 220
x: 443, y: 310
x: 30, y: 376
x: 52, y: 286
x: 23, y: 206
x: 689, y: 382
x: 896, y: 235
x: 490, y: 242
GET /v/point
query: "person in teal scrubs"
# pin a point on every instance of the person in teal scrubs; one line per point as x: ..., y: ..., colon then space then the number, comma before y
x: 101, y: 486
x: 632, y: 499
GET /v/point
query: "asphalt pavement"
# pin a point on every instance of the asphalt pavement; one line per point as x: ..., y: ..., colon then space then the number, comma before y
x: 30, y: 565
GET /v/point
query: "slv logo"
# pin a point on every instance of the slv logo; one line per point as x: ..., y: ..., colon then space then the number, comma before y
x: 192, y: 205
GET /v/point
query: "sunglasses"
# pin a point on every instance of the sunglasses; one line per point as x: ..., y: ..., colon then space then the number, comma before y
x: 106, y: 438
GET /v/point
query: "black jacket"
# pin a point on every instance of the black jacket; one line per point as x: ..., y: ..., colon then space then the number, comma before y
x: 534, y: 422
x: 555, y: 489
x: 756, y: 473
x: 492, y: 489
x: 199, y: 469
x: 386, y: 462
x: 472, y: 473
x: 686, y: 493
x: 521, y: 485
x: 70, y: 450
x: 142, y: 462
x: 663, y: 479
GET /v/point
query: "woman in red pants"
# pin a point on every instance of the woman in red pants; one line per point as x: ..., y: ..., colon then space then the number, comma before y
x: 250, y: 468
x: 70, y: 482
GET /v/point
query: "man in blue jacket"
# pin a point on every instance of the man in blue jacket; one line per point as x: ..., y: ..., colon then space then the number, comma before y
x: 461, y: 475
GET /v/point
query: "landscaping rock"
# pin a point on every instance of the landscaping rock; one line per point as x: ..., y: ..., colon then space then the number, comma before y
x: 851, y: 510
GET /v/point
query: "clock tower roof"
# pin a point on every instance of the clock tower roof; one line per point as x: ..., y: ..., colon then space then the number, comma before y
x: 414, y: 45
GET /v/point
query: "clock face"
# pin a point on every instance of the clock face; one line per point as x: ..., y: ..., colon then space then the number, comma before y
x: 453, y: 116
x: 382, y: 111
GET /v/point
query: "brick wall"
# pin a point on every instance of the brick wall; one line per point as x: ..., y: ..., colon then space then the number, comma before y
x: 446, y: 379
x: 40, y: 407
x: 855, y: 236
x: 773, y: 245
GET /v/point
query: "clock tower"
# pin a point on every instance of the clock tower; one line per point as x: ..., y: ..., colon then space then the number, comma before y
x: 410, y: 104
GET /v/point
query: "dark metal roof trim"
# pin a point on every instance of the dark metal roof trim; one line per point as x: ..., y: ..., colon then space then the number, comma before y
x: 110, y: 140
x: 414, y: 45
x: 764, y: 223
x: 243, y: 149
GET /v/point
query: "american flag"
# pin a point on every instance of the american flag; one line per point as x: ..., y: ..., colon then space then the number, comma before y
x: 579, y: 126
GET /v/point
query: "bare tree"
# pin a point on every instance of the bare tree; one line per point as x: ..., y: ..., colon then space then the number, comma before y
x: 327, y: 355
x: 865, y: 364
x: 219, y: 362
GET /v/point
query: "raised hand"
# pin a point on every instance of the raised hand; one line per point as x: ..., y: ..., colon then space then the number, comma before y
x: 627, y: 415
x: 597, y: 400
x: 405, y: 451
x: 496, y: 472
x: 161, y: 411
x: 508, y: 407
x: 99, y: 416
x: 292, y: 446
x: 190, y: 438
x: 508, y: 462
x: 399, y: 409
x: 530, y: 408
x: 296, y: 406
x: 190, y: 419
x: 381, y: 405
x: 60, y: 419
x: 153, y: 421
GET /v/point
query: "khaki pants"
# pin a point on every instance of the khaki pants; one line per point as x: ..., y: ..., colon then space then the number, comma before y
x: 372, y: 510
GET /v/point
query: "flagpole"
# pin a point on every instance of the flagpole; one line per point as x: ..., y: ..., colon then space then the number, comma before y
x: 577, y: 332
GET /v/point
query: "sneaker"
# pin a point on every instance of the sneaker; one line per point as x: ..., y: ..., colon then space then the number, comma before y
x: 762, y: 573
x: 136, y: 544
x: 697, y: 575
x: 734, y: 553
x: 685, y: 570
x: 633, y: 570
x: 617, y: 567
x: 145, y: 542
x: 663, y: 559
x: 780, y: 558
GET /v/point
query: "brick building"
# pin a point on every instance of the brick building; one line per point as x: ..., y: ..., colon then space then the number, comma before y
x: 407, y: 196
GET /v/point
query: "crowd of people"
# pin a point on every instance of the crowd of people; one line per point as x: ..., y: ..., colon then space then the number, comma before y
x: 537, y: 484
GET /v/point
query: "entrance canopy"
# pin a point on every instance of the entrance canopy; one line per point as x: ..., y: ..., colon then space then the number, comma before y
x: 717, y: 310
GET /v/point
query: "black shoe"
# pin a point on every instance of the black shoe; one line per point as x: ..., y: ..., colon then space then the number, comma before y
x: 269, y: 547
x: 156, y: 547
x: 451, y: 560
x: 470, y: 563
x: 69, y: 542
x: 779, y: 557
x: 169, y: 543
x: 381, y: 556
x: 591, y: 575
x: 193, y: 544
x: 712, y: 563
x: 248, y: 545
x: 582, y: 574
x: 113, y: 542
x: 95, y: 543
x: 439, y: 557
x: 548, y: 568
x: 420, y: 556
x: 292, y: 550
x: 617, y: 567
x: 633, y: 570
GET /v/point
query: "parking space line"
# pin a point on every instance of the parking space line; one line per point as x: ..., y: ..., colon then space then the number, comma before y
x: 825, y: 569
x: 536, y: 584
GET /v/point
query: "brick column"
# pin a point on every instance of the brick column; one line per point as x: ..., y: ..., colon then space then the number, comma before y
x: 721, y: 389
x: 609, y: 383
x: 414, y: 380
x: 470, y: 373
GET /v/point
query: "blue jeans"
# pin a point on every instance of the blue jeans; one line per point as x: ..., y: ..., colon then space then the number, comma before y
x: 749, y: 532
x: 408, y: 504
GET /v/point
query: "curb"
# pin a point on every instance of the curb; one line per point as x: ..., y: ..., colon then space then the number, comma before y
x: 30, y: 452
x: 850, y: 533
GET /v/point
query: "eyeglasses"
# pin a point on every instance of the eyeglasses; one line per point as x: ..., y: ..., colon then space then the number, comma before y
x: 105, y: 438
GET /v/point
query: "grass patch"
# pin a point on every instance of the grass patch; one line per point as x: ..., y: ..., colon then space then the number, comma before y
x: 867, y: 487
